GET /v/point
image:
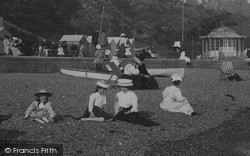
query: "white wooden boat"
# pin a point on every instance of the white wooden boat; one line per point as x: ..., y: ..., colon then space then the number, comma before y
x: 86, y: 73
x: 165, y: 72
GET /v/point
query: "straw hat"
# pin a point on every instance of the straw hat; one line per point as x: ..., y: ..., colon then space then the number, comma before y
x: 98, y: 46
x: 176, y: 77
x: 43, y: 92
x: 135, y: 59
x: 102, y: 84
x: 124, y: 82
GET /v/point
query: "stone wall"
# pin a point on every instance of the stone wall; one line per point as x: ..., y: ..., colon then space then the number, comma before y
x: 23, y: 64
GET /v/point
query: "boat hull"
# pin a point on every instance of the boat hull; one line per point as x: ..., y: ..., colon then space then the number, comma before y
x: 164, y: 72
x: 88, y: 74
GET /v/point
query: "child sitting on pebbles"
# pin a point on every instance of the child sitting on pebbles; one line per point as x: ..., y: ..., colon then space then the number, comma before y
x: 40, y: 110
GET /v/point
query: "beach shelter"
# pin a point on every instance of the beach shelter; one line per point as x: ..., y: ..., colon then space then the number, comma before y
x: 222, y: 41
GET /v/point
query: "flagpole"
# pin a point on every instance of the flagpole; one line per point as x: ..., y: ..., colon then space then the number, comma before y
x: 100, y: 31
x: 182, y: 23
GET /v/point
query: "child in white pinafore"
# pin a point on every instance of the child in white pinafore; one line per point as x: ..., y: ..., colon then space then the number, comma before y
x: 40, y: 110
x: 173, y: 100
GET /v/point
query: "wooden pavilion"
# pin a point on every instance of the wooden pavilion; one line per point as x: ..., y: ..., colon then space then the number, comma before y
x: 222, y: 41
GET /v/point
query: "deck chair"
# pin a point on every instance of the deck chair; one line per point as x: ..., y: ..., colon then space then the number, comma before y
x: 115, y: 71
x: 226, y: 69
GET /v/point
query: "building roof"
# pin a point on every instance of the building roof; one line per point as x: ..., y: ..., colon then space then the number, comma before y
x: 71, y: 38
x: 116, y: 39
x: 223, y: 32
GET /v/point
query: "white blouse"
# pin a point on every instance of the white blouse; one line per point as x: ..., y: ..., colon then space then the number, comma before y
x: 131, y: 70
x: 96, y: 99
x: 128, y: 99
x: 172, y: 93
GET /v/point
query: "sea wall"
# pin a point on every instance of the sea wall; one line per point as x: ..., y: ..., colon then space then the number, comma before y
x: 29, y: 64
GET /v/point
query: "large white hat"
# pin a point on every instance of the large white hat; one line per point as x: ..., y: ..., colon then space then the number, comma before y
x: 43, y: 92
x: 177, y: 44
x: 124, y: 82
x: 123, y: 34
x: 14, y: 38
x: 102, y: 84
x: 176, y: 77
x: 98, y: 46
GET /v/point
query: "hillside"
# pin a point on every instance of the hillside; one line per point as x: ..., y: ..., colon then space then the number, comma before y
x: 155, y: 22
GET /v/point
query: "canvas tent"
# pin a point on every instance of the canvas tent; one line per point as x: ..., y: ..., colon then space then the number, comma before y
x: 73, y: 39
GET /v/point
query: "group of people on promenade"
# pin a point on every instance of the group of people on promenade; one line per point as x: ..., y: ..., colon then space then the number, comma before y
x: 125, y: 104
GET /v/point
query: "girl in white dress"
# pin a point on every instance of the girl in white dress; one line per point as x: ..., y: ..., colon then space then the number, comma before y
x: 40, y: 110
x: 173, y: 101
x: 126, y: 106
x: 97, y: 102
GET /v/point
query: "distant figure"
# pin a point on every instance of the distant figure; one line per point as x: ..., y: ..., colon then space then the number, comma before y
x: 60, y: 51
x: 116, y: 61
x: 95, y: 36
x: 35, y: 48
x: 103, y: 40
x: 40, y: 110
x: 184, y: 57
x: 99, y: 54
x: 173, y: 101
x: 65, y: 48
x: 122, y: 45
x: 107, y: 53
x: 128, y: 52
x: 81, y: 50
x: 6, y: 44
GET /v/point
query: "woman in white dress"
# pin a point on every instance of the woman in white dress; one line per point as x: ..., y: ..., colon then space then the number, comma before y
x: 126, y: 106
x: 173, y: 100
x: 97, y: 104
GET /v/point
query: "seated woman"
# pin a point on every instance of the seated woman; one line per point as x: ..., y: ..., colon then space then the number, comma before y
x: 126, y: 105
x: 132, y: 72
x: 184, y: 57
x: 148, y: 81
x: 117, y: 62
x: 40, y: 110
x: 96, y: 107
x: 173, y: 101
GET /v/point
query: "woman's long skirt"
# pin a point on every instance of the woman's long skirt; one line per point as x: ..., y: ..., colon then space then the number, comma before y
x: 136, y: 80
x: 98, y: 112
x: 134, y: 118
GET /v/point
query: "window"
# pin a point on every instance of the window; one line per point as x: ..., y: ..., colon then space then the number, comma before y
x: 212, y: 44
x: 217, y: 44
